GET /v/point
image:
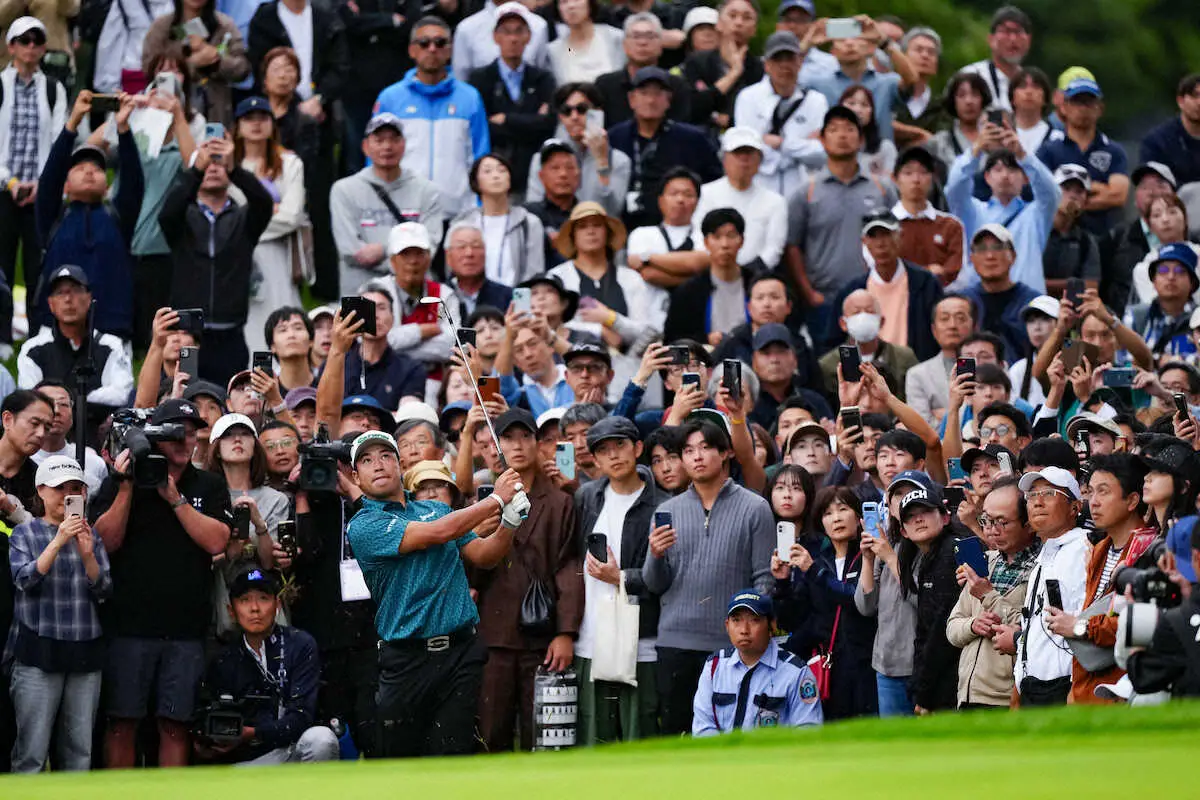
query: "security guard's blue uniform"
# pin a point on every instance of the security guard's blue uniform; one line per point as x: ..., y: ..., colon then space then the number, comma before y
x: 779, y: 690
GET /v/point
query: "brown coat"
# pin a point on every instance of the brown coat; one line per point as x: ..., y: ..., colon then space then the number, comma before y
x: 213, y: 83
x: 1101, y: 630
x: 547, y: 544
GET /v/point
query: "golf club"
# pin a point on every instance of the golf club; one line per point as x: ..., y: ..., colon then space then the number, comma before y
x: 437, y: 301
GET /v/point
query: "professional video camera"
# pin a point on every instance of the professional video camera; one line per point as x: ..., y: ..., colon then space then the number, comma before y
x: 131, y: 430
x: 1149, y: 585
x: 319, y: 462
x: 221, y: 722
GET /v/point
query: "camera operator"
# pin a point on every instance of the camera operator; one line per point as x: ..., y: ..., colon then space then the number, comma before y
x: 1171, y: 661
x: 270, y: 676
x: 161, y: 541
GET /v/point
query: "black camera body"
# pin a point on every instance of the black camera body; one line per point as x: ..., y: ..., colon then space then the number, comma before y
x: 221, y: 721
x: 131, y: 430
x: 1150, y: 585
x: 319, y: 462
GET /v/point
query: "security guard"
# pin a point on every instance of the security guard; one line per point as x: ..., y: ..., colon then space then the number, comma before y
x: 753, y: 684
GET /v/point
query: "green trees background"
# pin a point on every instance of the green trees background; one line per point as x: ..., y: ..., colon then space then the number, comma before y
x: 1138, y: 49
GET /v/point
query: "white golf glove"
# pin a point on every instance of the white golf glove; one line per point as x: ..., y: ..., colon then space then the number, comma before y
x: 516, y: 512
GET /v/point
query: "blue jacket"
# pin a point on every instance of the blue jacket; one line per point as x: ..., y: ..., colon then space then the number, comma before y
x: 445, y: 130
x: 90, y: 235
x: 292, y: 654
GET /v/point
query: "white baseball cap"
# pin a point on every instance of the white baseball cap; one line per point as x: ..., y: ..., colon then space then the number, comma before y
x: 1043, y: 303
x: 416, y: 409
x: 57, y: 470
x: 995, y: 229
x: 513, y: 9
x: 700, y: 15
x: 1055, y: 476
x: 222, y: 426
x: 738, y: 137
x: 551, y: 415
x: 24, y: 25
x: 367, y: 439
x: 406, y: 235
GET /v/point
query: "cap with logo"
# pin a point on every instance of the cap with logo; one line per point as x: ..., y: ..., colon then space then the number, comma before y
x: 882, y: 219
x: 771, y: 333
x: 22, y: 26
x: 1055, y: 476
x: 515, y: 416
x: 994, y: 229
x: 1180, y: 253
x: 365, y: 440
x: 252, y: 577
x: 406, y: 235
x: 1073, y: 172
x: 385, y: 120
x: 587, y: 349
x: 251, y: 105
x: 299, y: 396
x: 176, y: 410
x: 57, y: 470
x: 758, y: 604
x: 739, y: 137
x: 910, y: 477
x: 612, y: 428
x: 920, y: 498
x: 1154, y: 168
x: 70, y: 272
x: 783, y: 41
x: 1042, y: 304
x: 222, y: 426
x: 1083, y: 86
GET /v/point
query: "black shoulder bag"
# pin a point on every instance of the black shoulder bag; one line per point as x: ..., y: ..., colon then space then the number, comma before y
x: 537, y: 606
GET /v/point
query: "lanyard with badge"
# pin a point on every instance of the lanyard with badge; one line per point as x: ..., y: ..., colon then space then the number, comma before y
x: 354, y: 585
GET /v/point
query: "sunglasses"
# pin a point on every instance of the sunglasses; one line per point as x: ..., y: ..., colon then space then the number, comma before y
x: 579, y: 108
x: 438, y: 43
x: 1172, y: 269
x: 30, y: 39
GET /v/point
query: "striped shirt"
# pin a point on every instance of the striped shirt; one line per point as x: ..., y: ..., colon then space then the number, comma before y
x: 23, y: 136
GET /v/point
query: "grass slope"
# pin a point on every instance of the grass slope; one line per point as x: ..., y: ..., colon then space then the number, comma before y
x: 1074, y: 752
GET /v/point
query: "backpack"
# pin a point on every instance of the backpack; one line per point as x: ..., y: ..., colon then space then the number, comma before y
x: 51, y: 89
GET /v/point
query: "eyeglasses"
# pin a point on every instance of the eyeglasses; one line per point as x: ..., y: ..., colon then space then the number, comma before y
x: 27, y: 39
x: 414, y: 445
x: 1044, y: 494
x: 999, y: 523
x: 280, y: 444
x: 998, y: 247
x: 438, y: 43
x: 578, y: 108
x: 643, y: 36
x: 676, y: 369
x: 589, y: 367
x: 1000, y: 430
x: 1169, y: 268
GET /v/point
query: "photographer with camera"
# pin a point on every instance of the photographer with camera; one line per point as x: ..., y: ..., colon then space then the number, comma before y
x: 161, y: 539
x: 1165, y: 657
x: 265, y: 685
x: 412, y: 554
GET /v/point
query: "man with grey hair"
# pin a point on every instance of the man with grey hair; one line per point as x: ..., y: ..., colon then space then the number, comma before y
x: 919, y: 114
x: 574, y: 425
x: 466, y: 260
x: 643, y: 48
x: 1009, y: 38
x: 861, y: 319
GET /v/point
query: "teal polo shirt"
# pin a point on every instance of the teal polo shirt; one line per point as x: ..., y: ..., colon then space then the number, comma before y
x: 421, y: 594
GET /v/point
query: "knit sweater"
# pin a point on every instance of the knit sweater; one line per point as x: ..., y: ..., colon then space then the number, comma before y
x: 715, y: 555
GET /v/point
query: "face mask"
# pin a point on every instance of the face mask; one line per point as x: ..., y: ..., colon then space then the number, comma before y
x: 863, y: 327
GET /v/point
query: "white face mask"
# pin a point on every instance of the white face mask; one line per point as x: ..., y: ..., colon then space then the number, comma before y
x: 863, y: 327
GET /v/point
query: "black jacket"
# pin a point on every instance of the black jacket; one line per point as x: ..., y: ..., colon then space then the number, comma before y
x: 214, y: 260
x: 934, y: 683
x: 526, y: 123
x: 807, y: 605
x: 702, y: 71
x: 1121, y: 251
x: 688, y: 315
x: 635, y: 540
x: 614, y: 88
x: 493, y: 294
x: 380, y: 47
x: 292, y: 705
x: 331, y: 53
x: 1172, y: 661
x: 676, y: 144
x: 924, y: 292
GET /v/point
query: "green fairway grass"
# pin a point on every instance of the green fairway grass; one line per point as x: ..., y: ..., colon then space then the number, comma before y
x: 1066, y: 753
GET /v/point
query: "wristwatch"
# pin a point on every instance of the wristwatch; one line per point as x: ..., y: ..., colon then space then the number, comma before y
x: 1080, y: 629
x: 181, y: 501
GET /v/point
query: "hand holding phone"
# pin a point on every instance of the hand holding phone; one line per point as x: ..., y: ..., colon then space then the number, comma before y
x: 785, y: 537
x: 189, y: 362
x: 851, y: 363
x: 1054, y: 594
x: 73, y: 505
x: 969, y: 551
x: 597, y: 545
x: 364, y: 309
x: 564, y: 459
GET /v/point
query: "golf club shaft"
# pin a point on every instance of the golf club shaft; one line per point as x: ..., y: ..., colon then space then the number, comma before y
x: 474, y: 385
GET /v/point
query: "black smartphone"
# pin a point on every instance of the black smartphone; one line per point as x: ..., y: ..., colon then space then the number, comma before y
x: 692, y: 378
x: 364, y: 309
x: 285, y: 534
x: 680, y: 355
x: 1181, y: 405
x: 851, y: 418
x: 597, y: 545
x: 996, y: 117
x: 1075, y: 289
x: 190, y: 320
x: 484, y: 491
x: 851, y: 363
x: 105, y: 103
x: 264, y: 361
x: 241, y: 523
x: 954, y: 497
x: 662, y: 518
x: 1119, y: 378
x: 966, y: 366
x: 189, y: 362
x: 467, y: 336
x: 732, y: 378
x: 1053, y: 594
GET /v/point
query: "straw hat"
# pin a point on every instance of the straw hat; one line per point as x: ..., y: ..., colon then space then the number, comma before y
x: 565, y: 241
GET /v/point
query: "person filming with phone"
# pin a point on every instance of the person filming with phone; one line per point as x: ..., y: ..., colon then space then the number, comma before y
x: 61, y: 572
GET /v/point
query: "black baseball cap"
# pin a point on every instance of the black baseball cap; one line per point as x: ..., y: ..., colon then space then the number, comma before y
x: 569, y: 298
x: 207, y: 389
x: 70, y: 272
x: 771, y: 333
x: 515, y: 416
x: 176, y: 410
x: 991, y: 452
x: 651, y: 75
x: 89, y: 152
x: 552, y: 146
x: 612, y: 428
x: 252, y: 577
x: 920, y: 498
x: 588, y: 349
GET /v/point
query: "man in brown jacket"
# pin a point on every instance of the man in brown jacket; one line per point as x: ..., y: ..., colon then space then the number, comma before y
x: 545, y: 549
x: 989, y: 609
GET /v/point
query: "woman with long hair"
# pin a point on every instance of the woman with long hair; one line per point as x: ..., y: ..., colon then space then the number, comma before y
x: 814, y: 593
x: 236, y: 454
x: 1167, y: 218
x: 512, y: 237
x: 878, y: 155
x: 278, y: 268
x: 584, y: 49
x: 766, y: 452
x: 791, y: 493
x: 214, y: 61
x: 966, y: 98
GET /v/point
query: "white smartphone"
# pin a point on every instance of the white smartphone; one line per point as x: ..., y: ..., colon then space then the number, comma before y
x: 522, y: 299
x: 196, y: 27
x: 564, y: 459
x: 785, y: 537
x: 73, y: 504
x: 595, y: 119
x: 843, y: 28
